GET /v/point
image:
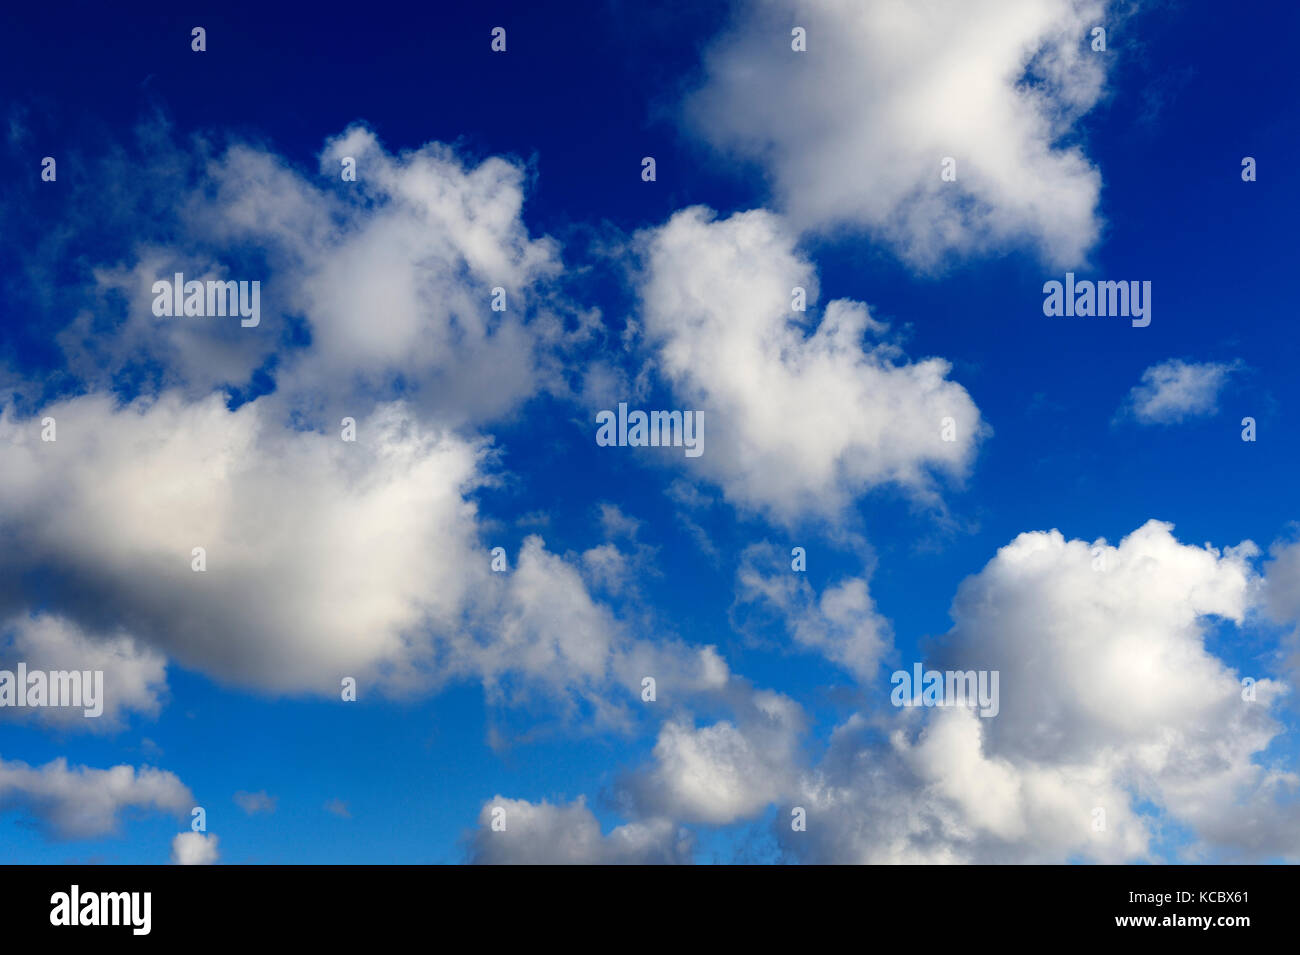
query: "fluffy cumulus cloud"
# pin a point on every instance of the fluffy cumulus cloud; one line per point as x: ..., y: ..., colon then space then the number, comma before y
x: 396, y: 278
x: 1115, y: 720
x: 1175, y: 390
x: 725, y: 771
x: 1109, y: 699
x: 319, y: 553
x: 387, y: 279
x: 927, y: 793
x: 1119, y: 636
x: 323, y: 559
x: 78, y: 802
x: 852, y: 132
x: 544, y: 833
x: 800, y: 416
x: 194, y: 848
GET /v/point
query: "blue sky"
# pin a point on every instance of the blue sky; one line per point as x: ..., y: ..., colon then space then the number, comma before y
x: 481, y: 692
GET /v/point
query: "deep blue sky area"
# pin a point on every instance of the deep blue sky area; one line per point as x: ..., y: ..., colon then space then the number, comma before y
x: 583, y: 93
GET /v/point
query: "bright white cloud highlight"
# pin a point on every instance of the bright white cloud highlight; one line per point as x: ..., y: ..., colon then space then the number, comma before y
x: 800, y: 419
x: 853, y: 131
x: 194, y: 848
x: 1108, y: 696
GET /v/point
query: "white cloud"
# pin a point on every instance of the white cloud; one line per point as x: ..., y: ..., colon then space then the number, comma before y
x: 1174, y: 390
x: 607, y: 566
x: 1110, y: 701
x: 842, y: 623
x: 1109, y: 698
x: 78, y: 802
x: 797, y: 421
x: 725, y: 771
x: 325, y: 559
x: 135, y: 676
x: 547, y: 834
x: 853, y: 131
x: 194, y: 848
x: 547, y: 624
x: 928, y: 794
x: 391, y: 276
x: 1118, y: 652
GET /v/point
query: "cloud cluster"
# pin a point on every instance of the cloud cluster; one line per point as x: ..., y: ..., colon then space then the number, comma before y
x: 1109, y: 698
x: 1115, y: 718
x: 323, y: 559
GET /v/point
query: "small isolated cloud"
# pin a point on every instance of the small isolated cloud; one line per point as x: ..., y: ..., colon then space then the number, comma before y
x: 253, y: 803
x: 1175, y: 390
x: 194, y: 848
x: 338, y: 808
x: 615, y: 523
